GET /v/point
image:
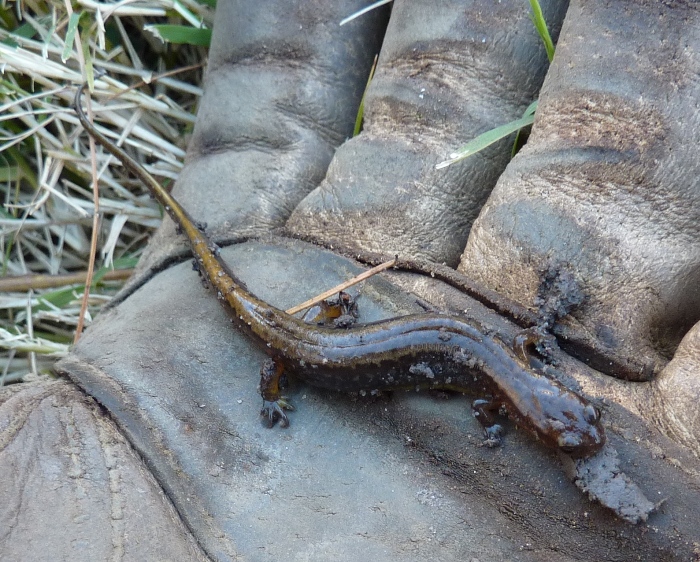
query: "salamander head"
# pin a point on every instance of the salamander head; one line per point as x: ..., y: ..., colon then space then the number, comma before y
x: 575, y: 430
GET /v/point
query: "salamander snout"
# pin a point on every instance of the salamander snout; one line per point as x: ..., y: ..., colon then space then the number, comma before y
x: 575, y: 430
x: 584, y: 439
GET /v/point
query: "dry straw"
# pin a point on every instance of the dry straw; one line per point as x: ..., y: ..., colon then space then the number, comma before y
x: 48, y: 213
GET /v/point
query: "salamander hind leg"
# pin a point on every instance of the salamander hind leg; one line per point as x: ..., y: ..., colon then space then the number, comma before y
x: 536, y: 339
x: 485, y: 412
x: 274, y: 404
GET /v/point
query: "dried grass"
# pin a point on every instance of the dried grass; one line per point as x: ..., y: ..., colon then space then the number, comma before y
x: 45, y: 167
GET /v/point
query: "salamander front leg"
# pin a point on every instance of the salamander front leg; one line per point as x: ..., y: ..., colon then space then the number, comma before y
x: 274, y: 404
x: 484, y: 413
x: 340, y: 312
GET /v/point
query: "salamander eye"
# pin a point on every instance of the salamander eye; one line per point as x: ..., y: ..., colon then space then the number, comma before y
x: 591, y: 414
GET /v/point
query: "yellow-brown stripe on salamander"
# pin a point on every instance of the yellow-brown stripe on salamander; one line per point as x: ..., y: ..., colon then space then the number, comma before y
x: 417, y: 351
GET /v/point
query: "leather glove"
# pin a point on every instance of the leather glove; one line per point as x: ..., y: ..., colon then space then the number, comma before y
x: 405, y: 476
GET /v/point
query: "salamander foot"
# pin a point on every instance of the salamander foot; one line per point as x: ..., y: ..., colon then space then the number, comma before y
x: 340, y: 312
x: 484, y: 413
x: 493, y: 435
x: 274, y: 404
x: 274, y: 410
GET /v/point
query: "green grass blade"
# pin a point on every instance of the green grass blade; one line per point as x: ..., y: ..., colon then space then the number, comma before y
x: 361, y: 109
x: 70, y: 35
x: 61, y: 298
x: 25, y: 31
x: 486, y: 139
x: 26, y: 170
x: 9, y: 174
x: 541, y: 25
x: 529, y: 111
x: 87, y: 57
x: 119, y: 263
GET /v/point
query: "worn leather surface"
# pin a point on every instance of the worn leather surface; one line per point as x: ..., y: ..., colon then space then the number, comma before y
x: 74, y: 488
x: 283, y: 85
x: 608, y: 181
x: 392, y: 477
x: 448, y: 71
x: 399, y: 477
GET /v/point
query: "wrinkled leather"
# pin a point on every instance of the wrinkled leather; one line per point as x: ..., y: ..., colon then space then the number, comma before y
x: 446, y: 73
x: 74, y: 488
x: 608, y: 182
x: 350, y: 474
x: 283, y: 85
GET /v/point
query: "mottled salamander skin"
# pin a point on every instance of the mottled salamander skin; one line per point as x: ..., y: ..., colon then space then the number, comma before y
x: 417, y: 351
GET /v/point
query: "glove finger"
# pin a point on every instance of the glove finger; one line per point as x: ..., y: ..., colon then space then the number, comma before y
x: 608, y: 185
x: 447, y: 72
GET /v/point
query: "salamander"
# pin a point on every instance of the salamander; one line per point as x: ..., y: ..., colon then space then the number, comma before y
x: 427, y: 350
